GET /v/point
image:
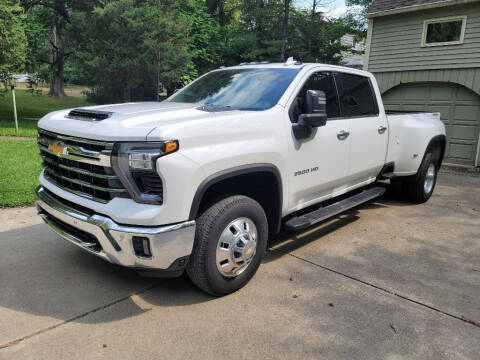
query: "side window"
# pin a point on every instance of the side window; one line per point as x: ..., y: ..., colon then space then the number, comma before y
x: 319, y: 81
x: 356, y: 95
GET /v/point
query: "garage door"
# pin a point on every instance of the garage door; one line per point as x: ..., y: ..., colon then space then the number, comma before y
x: 460, y: 109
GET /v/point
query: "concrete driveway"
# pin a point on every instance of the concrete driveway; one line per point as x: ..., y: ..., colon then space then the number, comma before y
x: 387, y: 280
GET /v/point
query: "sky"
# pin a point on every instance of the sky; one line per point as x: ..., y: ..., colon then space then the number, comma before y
x: 332, y: 8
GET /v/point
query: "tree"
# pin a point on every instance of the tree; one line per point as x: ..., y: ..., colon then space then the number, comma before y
x: 356, y: 15
x: 12, y: 38
x: 129, y: 46
x: 316, y: 39
x: 205, y: 39
x: 286, y: 11
x: 54, y: 15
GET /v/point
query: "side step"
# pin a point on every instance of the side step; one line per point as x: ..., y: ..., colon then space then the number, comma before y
x: 309, y: 219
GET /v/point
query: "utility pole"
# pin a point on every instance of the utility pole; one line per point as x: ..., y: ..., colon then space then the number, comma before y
x: 12, y: 86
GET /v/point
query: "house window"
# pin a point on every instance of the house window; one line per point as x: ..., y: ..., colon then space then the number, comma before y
x: 446, y: 31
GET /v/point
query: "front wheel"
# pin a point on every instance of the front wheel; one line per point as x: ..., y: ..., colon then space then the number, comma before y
x: 230, y: 241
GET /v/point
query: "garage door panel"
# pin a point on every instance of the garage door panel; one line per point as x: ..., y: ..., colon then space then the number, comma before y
x: 469, y: 113
x: 459, y: 108
x: 414, y: 107
x: 461, y: 151
x: 441, y: 93
x: 464, y: 132
x: 464, y: 94
x: 416, y: 93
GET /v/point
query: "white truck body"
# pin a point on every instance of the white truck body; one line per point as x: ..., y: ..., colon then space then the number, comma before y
x: 212, y: 143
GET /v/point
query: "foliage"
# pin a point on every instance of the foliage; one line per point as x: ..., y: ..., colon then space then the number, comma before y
x: 129, y: 45
x: 356, y: 14
x: 130, y: 49
x: 19, y: 172
x: 30, y: 110
x: 12, y: 38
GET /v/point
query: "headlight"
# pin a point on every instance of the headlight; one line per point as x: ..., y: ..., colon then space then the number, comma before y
x: 135, y: 165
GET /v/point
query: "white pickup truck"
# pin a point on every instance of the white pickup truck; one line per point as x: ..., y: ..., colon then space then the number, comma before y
x: 201, y: 181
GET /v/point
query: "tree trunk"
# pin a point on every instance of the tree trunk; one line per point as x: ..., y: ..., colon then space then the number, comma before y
x: 310, y: 31
x: 57, y: 63
x: 284, y: 28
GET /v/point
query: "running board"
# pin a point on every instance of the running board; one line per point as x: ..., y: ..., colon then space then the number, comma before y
x: 309, y: 219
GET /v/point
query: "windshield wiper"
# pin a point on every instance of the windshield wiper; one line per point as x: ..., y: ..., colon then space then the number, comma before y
x: 209, y: 107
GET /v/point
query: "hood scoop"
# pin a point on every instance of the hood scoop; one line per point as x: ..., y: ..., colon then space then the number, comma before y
x: 89, y: 115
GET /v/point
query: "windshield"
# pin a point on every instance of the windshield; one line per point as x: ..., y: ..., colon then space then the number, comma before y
x: 243, y: 89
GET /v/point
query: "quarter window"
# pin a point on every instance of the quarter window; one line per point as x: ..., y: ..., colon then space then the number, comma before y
x: 445, y: 31
x: 356, y: 95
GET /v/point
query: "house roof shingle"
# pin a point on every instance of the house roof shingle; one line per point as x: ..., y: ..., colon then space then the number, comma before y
x: 385, y: 5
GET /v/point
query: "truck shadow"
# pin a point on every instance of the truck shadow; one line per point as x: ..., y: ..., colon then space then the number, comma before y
x: 45, y: 276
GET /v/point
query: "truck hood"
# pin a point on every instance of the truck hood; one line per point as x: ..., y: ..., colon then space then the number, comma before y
x: 126, y: 122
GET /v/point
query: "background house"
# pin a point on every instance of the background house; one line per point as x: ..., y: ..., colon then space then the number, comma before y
x: 354, y: 57
x: 425, y: 55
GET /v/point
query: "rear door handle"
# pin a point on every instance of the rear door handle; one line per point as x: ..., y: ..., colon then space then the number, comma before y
x: 382, y: 129
x: 342, y: 135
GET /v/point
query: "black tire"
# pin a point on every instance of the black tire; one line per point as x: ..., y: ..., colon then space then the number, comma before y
x: 412, y: 188
x: 202, y: 267
x: 416, y: 188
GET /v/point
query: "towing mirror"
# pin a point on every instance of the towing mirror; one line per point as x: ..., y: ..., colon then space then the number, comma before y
x: 315, y: 114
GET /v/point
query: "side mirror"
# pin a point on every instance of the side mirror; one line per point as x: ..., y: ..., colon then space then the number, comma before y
x: 315, y: 114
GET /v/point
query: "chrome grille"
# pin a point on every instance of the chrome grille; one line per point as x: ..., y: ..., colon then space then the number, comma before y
x: 80, y: 166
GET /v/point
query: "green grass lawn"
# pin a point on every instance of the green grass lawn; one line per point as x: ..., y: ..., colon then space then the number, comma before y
x: 19, y: 171
x: 30, y: 109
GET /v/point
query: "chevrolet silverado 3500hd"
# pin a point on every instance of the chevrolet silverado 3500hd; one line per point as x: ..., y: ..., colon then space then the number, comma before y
x: 200, y: 181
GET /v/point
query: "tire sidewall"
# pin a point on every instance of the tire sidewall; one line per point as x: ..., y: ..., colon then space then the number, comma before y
x: 427, y: 162
x: 249, y: 209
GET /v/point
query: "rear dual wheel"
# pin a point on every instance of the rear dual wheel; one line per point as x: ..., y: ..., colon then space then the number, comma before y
x: 418, y: 188
x: 230, y: 241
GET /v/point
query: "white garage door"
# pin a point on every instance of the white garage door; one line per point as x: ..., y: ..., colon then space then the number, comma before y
x: 460, y: 109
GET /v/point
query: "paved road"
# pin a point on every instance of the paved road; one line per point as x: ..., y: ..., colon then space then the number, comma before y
x: 385, y: 281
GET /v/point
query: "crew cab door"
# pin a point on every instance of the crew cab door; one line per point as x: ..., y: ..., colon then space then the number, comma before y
x: 318, y: 165
x: 369, y: 127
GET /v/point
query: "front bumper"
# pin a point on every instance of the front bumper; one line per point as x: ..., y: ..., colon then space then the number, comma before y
x: 101, y: 236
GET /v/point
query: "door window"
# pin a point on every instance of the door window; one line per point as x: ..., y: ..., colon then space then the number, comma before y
x: 356, y: 95
x: 318, y: 81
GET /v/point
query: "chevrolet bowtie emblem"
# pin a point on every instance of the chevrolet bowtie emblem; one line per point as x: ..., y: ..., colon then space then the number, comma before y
x: 57, y: 149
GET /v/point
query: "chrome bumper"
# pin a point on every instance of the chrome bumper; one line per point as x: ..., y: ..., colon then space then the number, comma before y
x: 105, y: 238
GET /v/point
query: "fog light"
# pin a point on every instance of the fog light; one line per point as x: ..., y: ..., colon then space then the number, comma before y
x: 141, y: 246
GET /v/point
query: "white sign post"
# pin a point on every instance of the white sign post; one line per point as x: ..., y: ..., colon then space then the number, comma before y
x: 14, y: 109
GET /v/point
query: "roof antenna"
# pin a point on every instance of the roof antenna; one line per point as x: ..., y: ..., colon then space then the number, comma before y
x: 290, y: 61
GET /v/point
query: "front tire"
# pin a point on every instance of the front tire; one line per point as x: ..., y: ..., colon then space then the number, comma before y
x: 230, y: 241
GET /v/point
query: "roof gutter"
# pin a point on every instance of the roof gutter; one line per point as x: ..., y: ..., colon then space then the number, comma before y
x: 412, y: 8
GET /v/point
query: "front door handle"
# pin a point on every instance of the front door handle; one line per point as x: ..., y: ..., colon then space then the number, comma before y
x: 342, y: 135
x: 382, y: 129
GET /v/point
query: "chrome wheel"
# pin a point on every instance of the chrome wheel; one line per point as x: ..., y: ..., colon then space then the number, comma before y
x: 429, y: 179
x: 236, y: 247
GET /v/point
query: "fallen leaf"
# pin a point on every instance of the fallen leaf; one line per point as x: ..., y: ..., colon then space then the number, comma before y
x: 295, y: 296
x: 331, y: 305
x: 104, y: 345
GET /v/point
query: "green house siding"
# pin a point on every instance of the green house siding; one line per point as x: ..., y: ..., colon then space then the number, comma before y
x: 470, y: 77
x: 396, y: 42
x: 432, y: 78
